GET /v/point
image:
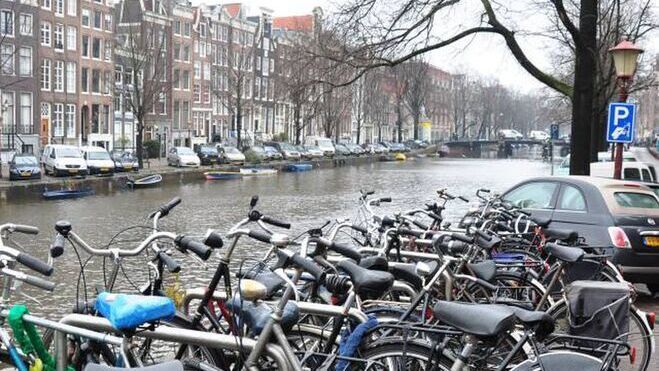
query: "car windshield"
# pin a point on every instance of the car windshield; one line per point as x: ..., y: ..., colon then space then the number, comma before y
x: 184, y: 151
x: 257, y: 149
x: 324, y: 142
x: 312, y: 148
x: 287, y: 147
x: 208, y: 150
x: 98, y: 155
x: 25, y: 160
x: 231, y: 150
x: 68, y: 153
x: 639, y: 200
x: 270, y: 149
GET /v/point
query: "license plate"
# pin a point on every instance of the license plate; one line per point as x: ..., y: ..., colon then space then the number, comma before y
x: 25, y: 173
x: 73, y: 171
x: 651, y: 241
x: 128, y: 167
x: 104, y: 169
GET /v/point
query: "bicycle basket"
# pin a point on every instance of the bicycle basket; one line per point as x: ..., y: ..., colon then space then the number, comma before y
x: 598, y: 310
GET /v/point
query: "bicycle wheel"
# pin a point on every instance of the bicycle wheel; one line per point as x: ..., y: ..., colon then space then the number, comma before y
x: 399, y: 355
x: 639, y: 336
x: 560, y: 361
x: 513, y: 288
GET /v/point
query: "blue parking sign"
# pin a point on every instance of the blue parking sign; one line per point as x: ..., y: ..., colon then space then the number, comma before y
x: 620, y: 126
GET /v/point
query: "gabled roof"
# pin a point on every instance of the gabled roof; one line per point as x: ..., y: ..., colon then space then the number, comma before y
x: 294, y: 23
x: 233, y: 9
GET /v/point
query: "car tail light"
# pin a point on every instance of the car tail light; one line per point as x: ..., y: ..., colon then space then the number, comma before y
x: 651, y: 316
x: 619, y: 238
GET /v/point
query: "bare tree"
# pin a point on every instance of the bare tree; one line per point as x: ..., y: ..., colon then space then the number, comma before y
x: 417, y: 87
x: 376, y: 100
x: 142, y: 48
x: 233, y: 84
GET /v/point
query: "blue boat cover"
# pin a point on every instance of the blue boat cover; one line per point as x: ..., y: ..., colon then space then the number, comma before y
x: 129, y: 311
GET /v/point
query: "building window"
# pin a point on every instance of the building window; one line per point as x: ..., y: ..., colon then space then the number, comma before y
x: 6, y: 22
x: 85, y: 17
x: 186, y: 53
x: 58, y: 119
x: 106, y: 83
x: 25, y: 61
x: 202, y: 30
x: 84, y: 79
x: 197, y: 93
x: 176, y: 80
x: 85, y: 46
x: 119, y: 74
x: 162, y: 104
x: 71, y: 77
x: 186, y: 80
x: 197, y: 70
x: 96, y: 48
x: 207, y: 95
x: 45, y: 74
x: 59, y: 7
x: 7, y: 59
x: 26, y: 112
x: 202, y: 49
x: 107, y: 52
x: 8, y: 103
x: 96, y: 81
x: 71, y: 37
x: 58, y: 85
x: 108, y: 22
x: 207, y: 71
x: 187, y: 28
x: 45, y: 4
x: 97, y: 19
x: 71, y: 120
x: 58, y: 36
x: 177, y: 27
x: 71, y: 8
x: 25, y: 24
x: 45, y: 33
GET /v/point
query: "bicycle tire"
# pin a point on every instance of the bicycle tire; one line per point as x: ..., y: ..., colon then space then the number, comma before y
x: 560, y: 361
x: 397, y: 351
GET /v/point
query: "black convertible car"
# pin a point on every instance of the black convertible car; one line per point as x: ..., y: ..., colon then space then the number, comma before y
x: 621, y: 216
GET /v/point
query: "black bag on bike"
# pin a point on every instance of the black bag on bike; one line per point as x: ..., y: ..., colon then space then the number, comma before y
x: 598, y: 309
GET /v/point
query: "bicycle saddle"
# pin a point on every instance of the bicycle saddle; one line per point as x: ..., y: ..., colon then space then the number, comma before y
x: 407, y: 273
x: 377, y: 263
x: 256, y: 315
x: 481, y: 320
x: 127, y: 312
x: 541, y: 221
x: 272, y: 282
x: 166, y: 366
x: 561, y: 234
x: 367, y: 283
x: 485, y: 270
x: 541, y: 322
x: 567, y: 254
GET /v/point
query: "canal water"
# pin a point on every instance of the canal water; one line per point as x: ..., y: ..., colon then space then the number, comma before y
x: 304, y: 199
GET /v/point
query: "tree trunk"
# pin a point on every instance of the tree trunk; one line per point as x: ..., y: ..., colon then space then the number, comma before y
x: 239, y: 127
x: 298, y: 125
x: 139, y: 143
x: 417, y: 114
x: 584, y: 81
x: 359, y: 130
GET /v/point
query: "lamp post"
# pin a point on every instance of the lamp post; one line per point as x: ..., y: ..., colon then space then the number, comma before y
x: 625, y: 57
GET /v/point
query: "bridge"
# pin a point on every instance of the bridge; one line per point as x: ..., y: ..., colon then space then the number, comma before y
x: 503, y: 148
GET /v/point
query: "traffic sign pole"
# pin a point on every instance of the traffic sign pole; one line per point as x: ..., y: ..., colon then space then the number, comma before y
x: 617, y: 165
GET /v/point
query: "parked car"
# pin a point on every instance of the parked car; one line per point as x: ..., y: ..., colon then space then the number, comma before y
x: 341, y: 150
x: 272, y: 153
x: 324, y: 144
x: 98, y: 160
x: 619, y: 215
x: 397, y: 147
x: 355, y: 149
x: 313, y: 151
x: 288, y: 151
x: 124, y: 161
x: 538, y: 135
x: 382, y: 148
x: 182, y: 156
x: 372, y: 148
x: 510, y: 134
x: 304, y: 154
x: 24, y: 166
x: 60, y: 159
x: 259, y: 152
x: 208, y: 154
x: 231, y: 155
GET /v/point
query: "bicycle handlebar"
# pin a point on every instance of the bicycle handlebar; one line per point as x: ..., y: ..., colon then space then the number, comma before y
x: 172, y: 265
x: 27, y: 260
x: 275, y: 222
x: 343, y: 249
x: 31, y: 280
x: 190, y: 244
x: 166, y: 208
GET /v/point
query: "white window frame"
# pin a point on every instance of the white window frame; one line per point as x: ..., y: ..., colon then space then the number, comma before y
x: 59, y: 8
x: 2, y: 22
x: 58, y: 119
x: 23, y: 16
x: 71, y: 36
x: 26, y: 114
x: 10, y: 59
x: 29, y: 64
x: 72, y: 8
x: 71, y: 72
x: 70, y: 120
x: 58, y: 80
x: 46, y: 29
x: 45, y: 73
x: 58, y: 33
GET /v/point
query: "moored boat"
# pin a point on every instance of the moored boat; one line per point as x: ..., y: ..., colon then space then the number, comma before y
x: 400, y: 157
x: 257, y: 171
x: 220, y: 175
x: 147, y: 181
x: 62, y: 194
x: 299, y: 167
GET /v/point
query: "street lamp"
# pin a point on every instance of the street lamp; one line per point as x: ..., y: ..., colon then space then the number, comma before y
x: 625, y: 57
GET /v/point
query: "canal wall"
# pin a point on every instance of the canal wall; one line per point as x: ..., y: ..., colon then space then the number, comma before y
x: 106, y: 185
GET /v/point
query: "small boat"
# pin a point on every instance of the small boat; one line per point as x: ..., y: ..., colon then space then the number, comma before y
x: 386, y: 158
x: 220, y: 175
x: 299, y: 167
x: 257, y: 171
x: 67, y: 193
x: 400, y: 157
x: 147, y: 181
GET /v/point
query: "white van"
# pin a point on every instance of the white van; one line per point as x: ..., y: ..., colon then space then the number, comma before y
x: 98, y: 160
x: 60, y: 160
x: 633, y: 170
x: 324, y: 144
x: 564, y: 168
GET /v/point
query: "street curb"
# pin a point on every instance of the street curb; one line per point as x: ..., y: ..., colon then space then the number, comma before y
x: 654, y: 152
x: 108, y: 185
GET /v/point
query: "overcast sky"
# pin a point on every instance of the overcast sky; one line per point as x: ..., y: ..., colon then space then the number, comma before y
x: 486, y: 55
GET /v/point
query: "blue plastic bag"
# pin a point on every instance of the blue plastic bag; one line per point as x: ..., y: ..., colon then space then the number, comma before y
x: 130, y: 311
